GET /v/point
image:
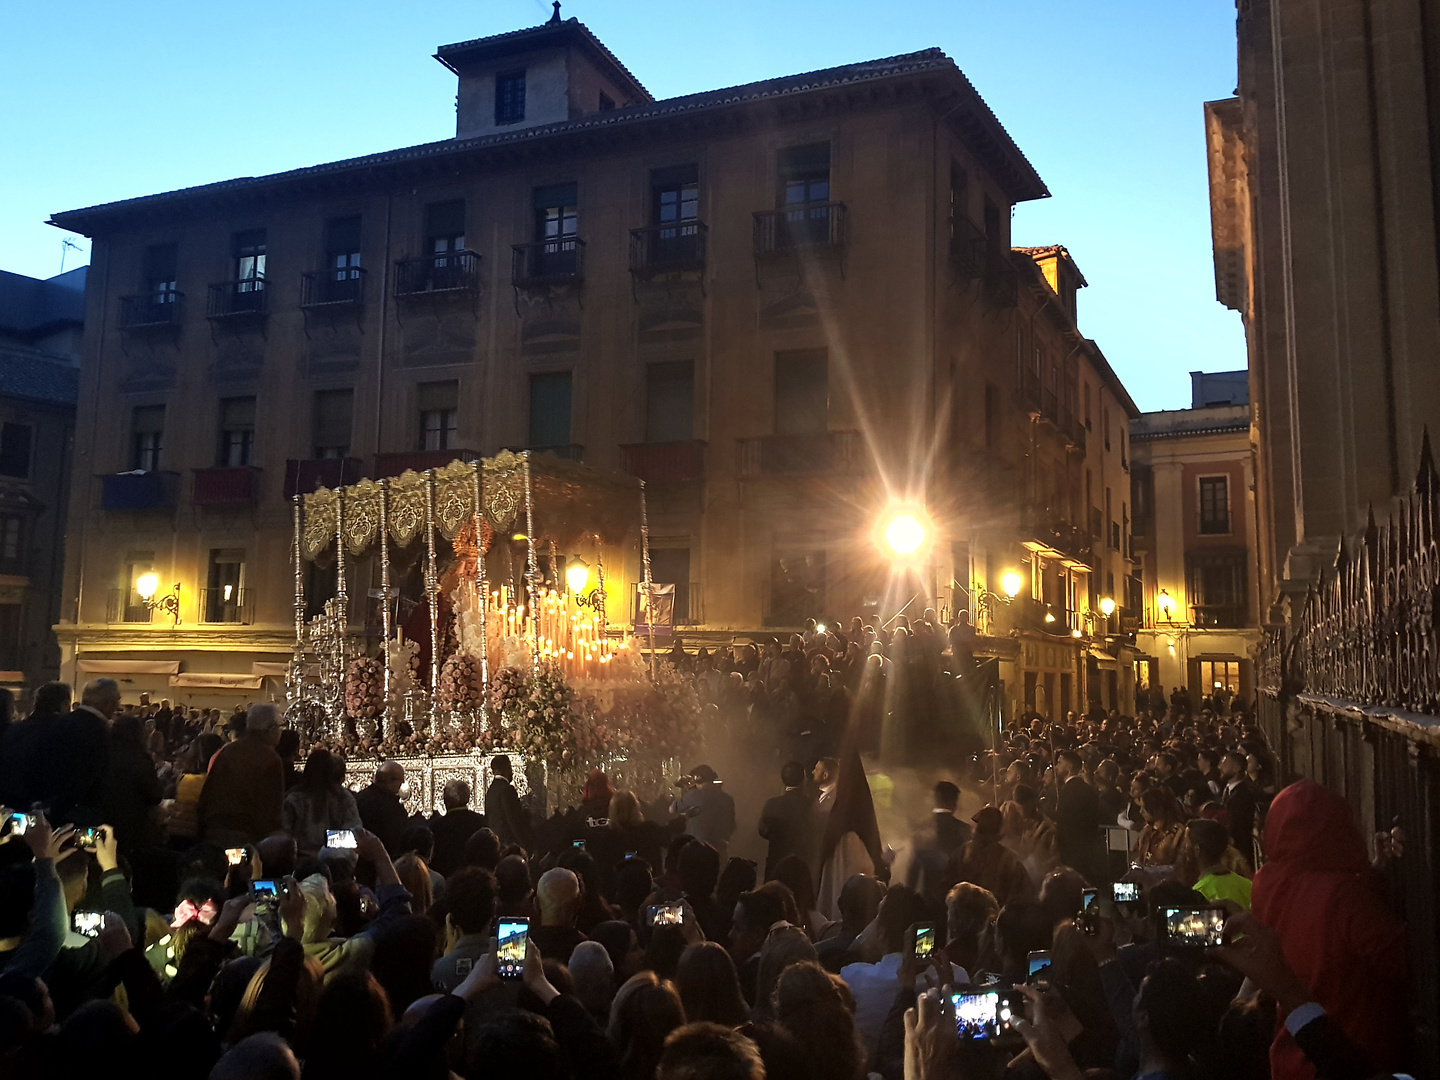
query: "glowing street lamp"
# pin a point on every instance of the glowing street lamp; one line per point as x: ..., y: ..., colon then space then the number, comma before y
x: 905, y: 534
x: 1107, y: 606
x: 146, y: 586
x: 577, y: 574
x: 1166, y: 603
x: 1011, y: 581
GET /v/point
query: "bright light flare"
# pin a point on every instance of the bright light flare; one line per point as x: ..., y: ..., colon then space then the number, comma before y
x: 577, y: 575
x: 146, y: 584
x: 1011, y: 581
x: 904, y: 534
x: 1107, y: 607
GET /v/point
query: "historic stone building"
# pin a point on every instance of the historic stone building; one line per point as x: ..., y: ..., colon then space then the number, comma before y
x: 1193, y: 478
x: 787, y: 306
x: 1323, y: 203
x: 40, y: 340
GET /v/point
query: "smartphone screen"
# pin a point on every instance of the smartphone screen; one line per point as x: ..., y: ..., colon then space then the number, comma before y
x: 1009, y: 1006
x: 1038, y: 969
x: 579, y: 844
x: 20, y: 823
x: 87, y: 838
x: 88, y: 923
x: 1194, y: 928
x: 265, y: 889
x: 1087, y: 897
x: 510, y: 961
x: 975, y: 1013
x: 923, y: 943
x: 234, y: 856
x: 667, y: 914
x: 340, y: 838
x: 1125, y: 892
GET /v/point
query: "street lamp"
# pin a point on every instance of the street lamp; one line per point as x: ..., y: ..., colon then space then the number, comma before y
x: 577, y: 574
x: 1107, y: 606
x: 146, y: 586
x: 905, y: 533
x: 1010, y: 582
x: 1166, y: 603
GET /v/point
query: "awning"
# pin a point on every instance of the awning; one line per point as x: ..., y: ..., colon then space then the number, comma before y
x: 1101, y: 657
x: 263, y: 668
x: 127, y: 667
x: 218, y: 680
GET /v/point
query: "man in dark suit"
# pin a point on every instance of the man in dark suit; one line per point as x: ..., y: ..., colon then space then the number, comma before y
x: 454, y: 827
x: 73, y: 767
x: 505, y: 815
x: 22, y: 747
x: 786, y: 819
x: 245, y: 790
x: 1077, y: 816
x: 1237, y: 796
x: 950, y: 831
x: 381, y: 810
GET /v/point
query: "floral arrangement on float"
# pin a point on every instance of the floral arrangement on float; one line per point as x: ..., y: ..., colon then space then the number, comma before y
x: 364, y: 688
x: 460, y: 690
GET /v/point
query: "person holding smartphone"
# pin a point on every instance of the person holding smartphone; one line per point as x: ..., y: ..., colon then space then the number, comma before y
x: 29, y: 950
x: 319, y: 804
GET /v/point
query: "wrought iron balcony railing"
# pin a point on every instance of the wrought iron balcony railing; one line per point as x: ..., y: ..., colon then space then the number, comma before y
x: 548, y: 262
x: 688, y: 609
x: 665, y: 463
x: 150, y: 311
x: 227, y: 604
x: 799, y: 227
x: 801, y: 455
x: 453, y: 273
x: 679, y: 245
x: 138, y: 490
x: 238, y: 299
x: 126, y: 606
x: 337, y: 287
x: 304, y: 475
x: 1002, y: 281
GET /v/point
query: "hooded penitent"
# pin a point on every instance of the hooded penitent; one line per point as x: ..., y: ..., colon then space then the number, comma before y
x: 1320, y: 894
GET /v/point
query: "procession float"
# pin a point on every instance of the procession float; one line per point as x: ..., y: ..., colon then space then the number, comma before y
x: 485, y: 629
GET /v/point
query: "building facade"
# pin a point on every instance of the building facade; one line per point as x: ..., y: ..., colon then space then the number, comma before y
x: 788, y: 307
x: 1323, y: 206
x: 40, y: 341
x: 1193, y: 479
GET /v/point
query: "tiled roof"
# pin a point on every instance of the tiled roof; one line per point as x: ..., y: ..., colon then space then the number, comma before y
x: 534, y: 36
x: 927, y: 60
x: 31, y: 375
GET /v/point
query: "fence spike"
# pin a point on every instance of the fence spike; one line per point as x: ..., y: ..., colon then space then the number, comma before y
x: 1342, y: 556
x: 1427, y: 481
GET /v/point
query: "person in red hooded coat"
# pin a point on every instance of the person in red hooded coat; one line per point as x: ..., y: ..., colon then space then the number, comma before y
x: 1320, y: 894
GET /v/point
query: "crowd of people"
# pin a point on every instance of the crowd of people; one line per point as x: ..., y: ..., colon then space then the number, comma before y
x: 183, y: 897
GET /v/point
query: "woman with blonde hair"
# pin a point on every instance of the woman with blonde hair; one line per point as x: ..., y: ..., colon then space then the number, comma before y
x: 414, y: 874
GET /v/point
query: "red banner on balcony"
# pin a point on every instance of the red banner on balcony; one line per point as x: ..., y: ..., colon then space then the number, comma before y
x: 238, y: 486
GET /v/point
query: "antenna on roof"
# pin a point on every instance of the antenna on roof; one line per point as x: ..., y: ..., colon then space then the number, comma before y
x: 554, y: 19
x: 65, y: 245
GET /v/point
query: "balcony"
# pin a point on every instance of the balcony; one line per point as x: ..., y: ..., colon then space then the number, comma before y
x: 803, y: 227
x: 227, y: 604
x: 152, y: 311
x: 663, y: 248
x: 801, y: 455
x: 548, y: 262
x: 1218, y: 616
x: 1002, y: 282
x: 967, y: 249
x: 665, y: 463
x: 138, y: 490
x: 569, y: 451
x: 237, y: 485
x: 418, y: 461
x: 126, y: 606
x: 237, y: 300
x: 304, y: 475
x: 455, y: 273
x: 1051, y: 531
x: 335, y: 288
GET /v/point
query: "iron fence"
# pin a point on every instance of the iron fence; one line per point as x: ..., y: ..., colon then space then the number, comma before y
x: 1349, y: 696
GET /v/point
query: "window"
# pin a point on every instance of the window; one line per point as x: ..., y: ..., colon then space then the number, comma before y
x: 439, y: 415
x: 1122, y: 438
x: 671, y: 566
x: 510, y: 97
x: 1088, y: 425
x: 130, y: 607
x: 606, y: 102
x: 15, y: 440
x: 1215, y: 505
x: 550, y: 409
x: 670, y: 401
x: 797, y: 588
x: 676, y: 194
x: 158, y: 272
x: 444, y: 229
x: 1220, y: 675
x: 237, y: 432
x: 147, y: 439
x: 331, y: 423
x: 557, y: 215
x: 802, y: 392
x: 1142, y: 495
x: 224, y: 599
x: 249, y: 248
x: 1216, y: 582
x: 804, y: 174
x: 959, y: 201
x: 12, y: 527
x: 11, y: 643
x: 1110, y: 519
x: 342, y: 247
x: 994, y: 239
x: 1105, y: 422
